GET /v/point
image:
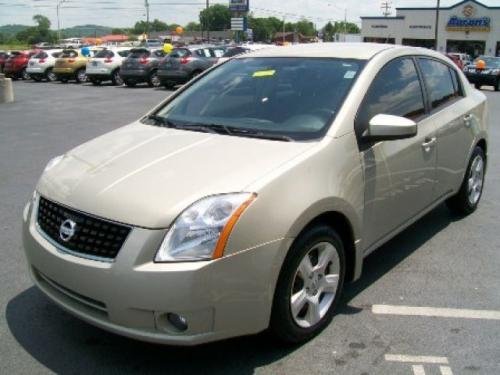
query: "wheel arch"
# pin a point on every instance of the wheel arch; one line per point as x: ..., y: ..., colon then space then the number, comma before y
x: 344, y: 227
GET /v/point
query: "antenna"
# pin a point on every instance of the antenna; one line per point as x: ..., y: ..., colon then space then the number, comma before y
x: 386, y: 6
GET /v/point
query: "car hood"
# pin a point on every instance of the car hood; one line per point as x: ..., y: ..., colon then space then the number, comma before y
x: 145, y: 175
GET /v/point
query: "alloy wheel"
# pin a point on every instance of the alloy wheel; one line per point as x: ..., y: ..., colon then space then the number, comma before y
x: 117, y: 78
x: 315, y: 284
x: 81, y: 75
x: 475, y: 180
x: 51, y: 76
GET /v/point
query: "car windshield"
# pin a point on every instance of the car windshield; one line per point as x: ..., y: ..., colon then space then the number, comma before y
x: 296, y: 98
x: 491, y: 62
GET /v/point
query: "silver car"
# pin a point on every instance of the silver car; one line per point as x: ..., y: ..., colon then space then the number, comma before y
x: 248, y: 198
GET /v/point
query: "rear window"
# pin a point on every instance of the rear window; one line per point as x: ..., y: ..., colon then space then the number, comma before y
x: 235, y: 51
x: 56, y: 54
x: 69, y: 53
x: 40, y: 55
x: 104, y: 54
x: 159, y: 53
x: 204, y: 52
x: 138, y: 53
x: 179, y: 52
x: 124, y: 53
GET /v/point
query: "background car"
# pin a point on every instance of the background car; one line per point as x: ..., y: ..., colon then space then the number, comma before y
x: 187, y: 62
x: 239, y: 50
x: 41, y: 65
x: 487, y: 76
x: 3, y: 58
x: 464, y: 58
x: 105, y: 66
x: 141, y: 65
x: 71, y: 65
x: 15, y: 65
x: 456, y: 60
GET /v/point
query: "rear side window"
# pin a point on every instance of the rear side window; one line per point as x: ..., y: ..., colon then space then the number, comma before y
x: 396, y: 91
x: 124, y: 53
x: 438, y: 80
x: 204, y: 52
x: 217, y: 52
x: 235, y: 51
x: 56, y: 54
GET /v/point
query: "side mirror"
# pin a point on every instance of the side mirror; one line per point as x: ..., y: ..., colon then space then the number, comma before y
x: 389, y: 127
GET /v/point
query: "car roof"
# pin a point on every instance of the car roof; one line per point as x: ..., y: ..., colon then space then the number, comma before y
x: 362, y: 51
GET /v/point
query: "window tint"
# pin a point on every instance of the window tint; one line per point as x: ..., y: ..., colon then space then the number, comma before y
x: 40, y: 55
x: 396, y: 91
x: 124, y: 53
x: 235, y: 51
x: 439, y: 82
x: 56, y: 54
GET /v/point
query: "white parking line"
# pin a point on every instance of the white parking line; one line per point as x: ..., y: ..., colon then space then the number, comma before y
x: 445, y: 370
x: 416, y: 359
x: 418, y: 370
x: 436, y: 312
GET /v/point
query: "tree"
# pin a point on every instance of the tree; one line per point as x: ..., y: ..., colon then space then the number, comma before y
x: 216, y: 17
x: 193, y: 26
x: 328, y: 32
x: 305, y: 27
x: 264, y: 28
x: 39, y: 33
x: 118, y: 31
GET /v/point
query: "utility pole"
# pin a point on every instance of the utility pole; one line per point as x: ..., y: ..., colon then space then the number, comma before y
x: 437, y: 24
x: 345, y: 24
x: 58, y: 6
x: 284, y: 39
x: 208, y: 22
x: 146, y: 4
x: 386, y: 8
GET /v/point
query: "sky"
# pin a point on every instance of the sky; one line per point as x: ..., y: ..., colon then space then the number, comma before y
x: 124, y: 13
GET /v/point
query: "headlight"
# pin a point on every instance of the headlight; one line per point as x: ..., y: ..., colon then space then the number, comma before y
x: 53, y: 162
x: 202, y: 230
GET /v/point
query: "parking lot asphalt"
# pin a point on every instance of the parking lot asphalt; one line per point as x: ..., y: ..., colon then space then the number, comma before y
x: 445, y: 263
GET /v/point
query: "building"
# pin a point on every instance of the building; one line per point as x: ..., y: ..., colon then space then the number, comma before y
x: 468, y: 26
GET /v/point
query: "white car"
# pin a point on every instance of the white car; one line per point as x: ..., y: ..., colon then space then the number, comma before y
x: 105, y: 66
x: 40, y: 66
x: 241, y: 49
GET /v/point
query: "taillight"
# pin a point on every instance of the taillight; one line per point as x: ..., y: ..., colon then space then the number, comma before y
x: 42, y: 60
x: 144, y: 60
x: 108, y: 60
x: 71, y: 60
x: 185, y: 60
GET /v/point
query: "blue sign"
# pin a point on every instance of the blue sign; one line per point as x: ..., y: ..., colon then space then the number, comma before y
x: 468, y: 24
x: 239, y: 5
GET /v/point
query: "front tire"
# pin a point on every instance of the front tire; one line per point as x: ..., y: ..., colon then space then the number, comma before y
x: 467, y: 199
x: 24, y: 75
x: 497, y: 86
x: 50, y: 75
x: 477, y: 86
x: 309, y: 285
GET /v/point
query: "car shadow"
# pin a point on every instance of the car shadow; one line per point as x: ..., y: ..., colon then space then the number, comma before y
x: 65, y: 344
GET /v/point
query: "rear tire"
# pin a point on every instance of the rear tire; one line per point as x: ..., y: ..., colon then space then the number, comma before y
x: 154, y: 80
x: 116, y: 78
x: 497, y: 86
x: 24, y: 75
x: 129, y: 83
x: 467, y: 199
x: 80, y: 76
x: 313, y: 303
x: 477, y: 86
x: 50, y: 75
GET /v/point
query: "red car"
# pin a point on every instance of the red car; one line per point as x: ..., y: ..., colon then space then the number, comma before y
x: 456, y: 60
x: 3, y: 58
x: 15, y: 66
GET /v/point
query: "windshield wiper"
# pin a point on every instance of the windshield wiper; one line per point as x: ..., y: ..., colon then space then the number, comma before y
x: 161, y: 121
x: 252, y: 133
x: 206, y: 128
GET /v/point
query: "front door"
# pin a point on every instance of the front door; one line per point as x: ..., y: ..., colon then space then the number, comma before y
x: 399, y: 174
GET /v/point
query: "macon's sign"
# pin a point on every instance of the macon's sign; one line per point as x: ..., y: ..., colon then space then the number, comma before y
x: 468, y: 23
x: 238, y: 5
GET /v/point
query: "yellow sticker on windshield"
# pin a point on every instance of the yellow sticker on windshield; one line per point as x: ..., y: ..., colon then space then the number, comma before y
x: 264, y: 73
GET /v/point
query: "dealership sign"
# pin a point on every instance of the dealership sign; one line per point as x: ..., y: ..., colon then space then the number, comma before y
x: 468, y: 23
x: 238, y: 5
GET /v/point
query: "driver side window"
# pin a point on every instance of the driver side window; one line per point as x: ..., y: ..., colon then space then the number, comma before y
x: 396, y: 91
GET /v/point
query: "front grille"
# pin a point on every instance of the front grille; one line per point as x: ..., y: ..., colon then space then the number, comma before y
x: 93, y: 237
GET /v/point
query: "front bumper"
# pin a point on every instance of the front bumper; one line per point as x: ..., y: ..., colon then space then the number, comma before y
x: 131, y: 296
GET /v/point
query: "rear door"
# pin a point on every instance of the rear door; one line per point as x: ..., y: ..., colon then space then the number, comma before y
x: 454, y: 117
x: 399, y: 174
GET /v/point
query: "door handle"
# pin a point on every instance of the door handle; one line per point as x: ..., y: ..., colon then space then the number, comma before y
x: 468, y: 120
x: 428, y: 144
